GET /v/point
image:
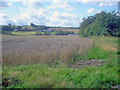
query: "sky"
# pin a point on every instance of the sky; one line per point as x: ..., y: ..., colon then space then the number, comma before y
x: 52, y: 13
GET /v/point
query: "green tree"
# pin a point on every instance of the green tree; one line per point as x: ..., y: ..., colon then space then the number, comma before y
x: 32, y: 25
x: 100, y: 24
x: 19, y: 28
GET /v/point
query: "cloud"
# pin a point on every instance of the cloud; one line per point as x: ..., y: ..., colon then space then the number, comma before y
x: 24, y: 0
x: 32, y: 3
x: 4, y: 19
x: 97, y: 12
x: 5, y: 4
x: 63, y: 19
x: 84, y: 1
x: 31, y: 15
x: 41, y: 17
x: 91, y: 10
x: 87, y: 1
x: 101, y: 4
x: 106, y: 4
x: 58, y: 4
x: 26, y: 16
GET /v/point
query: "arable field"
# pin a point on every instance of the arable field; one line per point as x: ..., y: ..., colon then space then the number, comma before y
x: 59, y: 62
x: 65, y: 29
x: 42, y: 49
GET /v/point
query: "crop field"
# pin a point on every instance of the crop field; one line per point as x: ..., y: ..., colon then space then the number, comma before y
x: 42, y: 49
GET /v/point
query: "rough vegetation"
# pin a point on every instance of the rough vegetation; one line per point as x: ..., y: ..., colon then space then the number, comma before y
x: 62, y: 75
x: 104, y: 23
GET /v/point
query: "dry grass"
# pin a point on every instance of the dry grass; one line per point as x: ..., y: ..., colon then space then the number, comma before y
x: 19, y: 50
x: 105, y: 43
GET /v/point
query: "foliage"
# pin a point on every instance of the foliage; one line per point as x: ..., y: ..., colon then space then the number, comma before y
x: 100, y: 24
x: 7, y: 28
x: 6, y: 32
x: 60, y: 32
x: 41, y: 27
x: 19, y: 28
x: 32, y: 25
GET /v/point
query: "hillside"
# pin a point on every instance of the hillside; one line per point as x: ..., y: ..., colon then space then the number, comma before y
x: 65, y: 29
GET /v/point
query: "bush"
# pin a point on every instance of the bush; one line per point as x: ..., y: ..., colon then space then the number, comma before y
x: 7, y: 28
x: 6, y: 32
x: 100, y: 24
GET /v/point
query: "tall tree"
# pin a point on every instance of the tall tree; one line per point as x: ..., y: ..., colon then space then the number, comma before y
x: 32, y: 25
x: 100, y: 24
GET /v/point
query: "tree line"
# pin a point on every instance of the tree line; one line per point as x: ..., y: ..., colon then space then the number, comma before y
x: 104, y: 23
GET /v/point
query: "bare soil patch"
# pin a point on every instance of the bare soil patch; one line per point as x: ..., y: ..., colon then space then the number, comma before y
x: 87, y: 63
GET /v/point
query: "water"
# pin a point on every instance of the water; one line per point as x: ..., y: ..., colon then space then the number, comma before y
x: 72, y: 34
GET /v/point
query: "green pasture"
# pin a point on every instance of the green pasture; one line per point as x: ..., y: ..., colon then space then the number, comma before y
x: 24, y: 33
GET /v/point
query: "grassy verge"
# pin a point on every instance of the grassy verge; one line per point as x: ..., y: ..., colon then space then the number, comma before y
x: 94, y: 53
x: 43, y: 76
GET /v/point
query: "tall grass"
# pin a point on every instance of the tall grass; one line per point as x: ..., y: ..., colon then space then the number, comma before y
x: 19, y: 50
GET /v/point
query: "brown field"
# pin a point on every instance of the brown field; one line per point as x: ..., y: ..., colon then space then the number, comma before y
x: 17, y: 50
x: 66, y: 29
x: 28, y: 27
